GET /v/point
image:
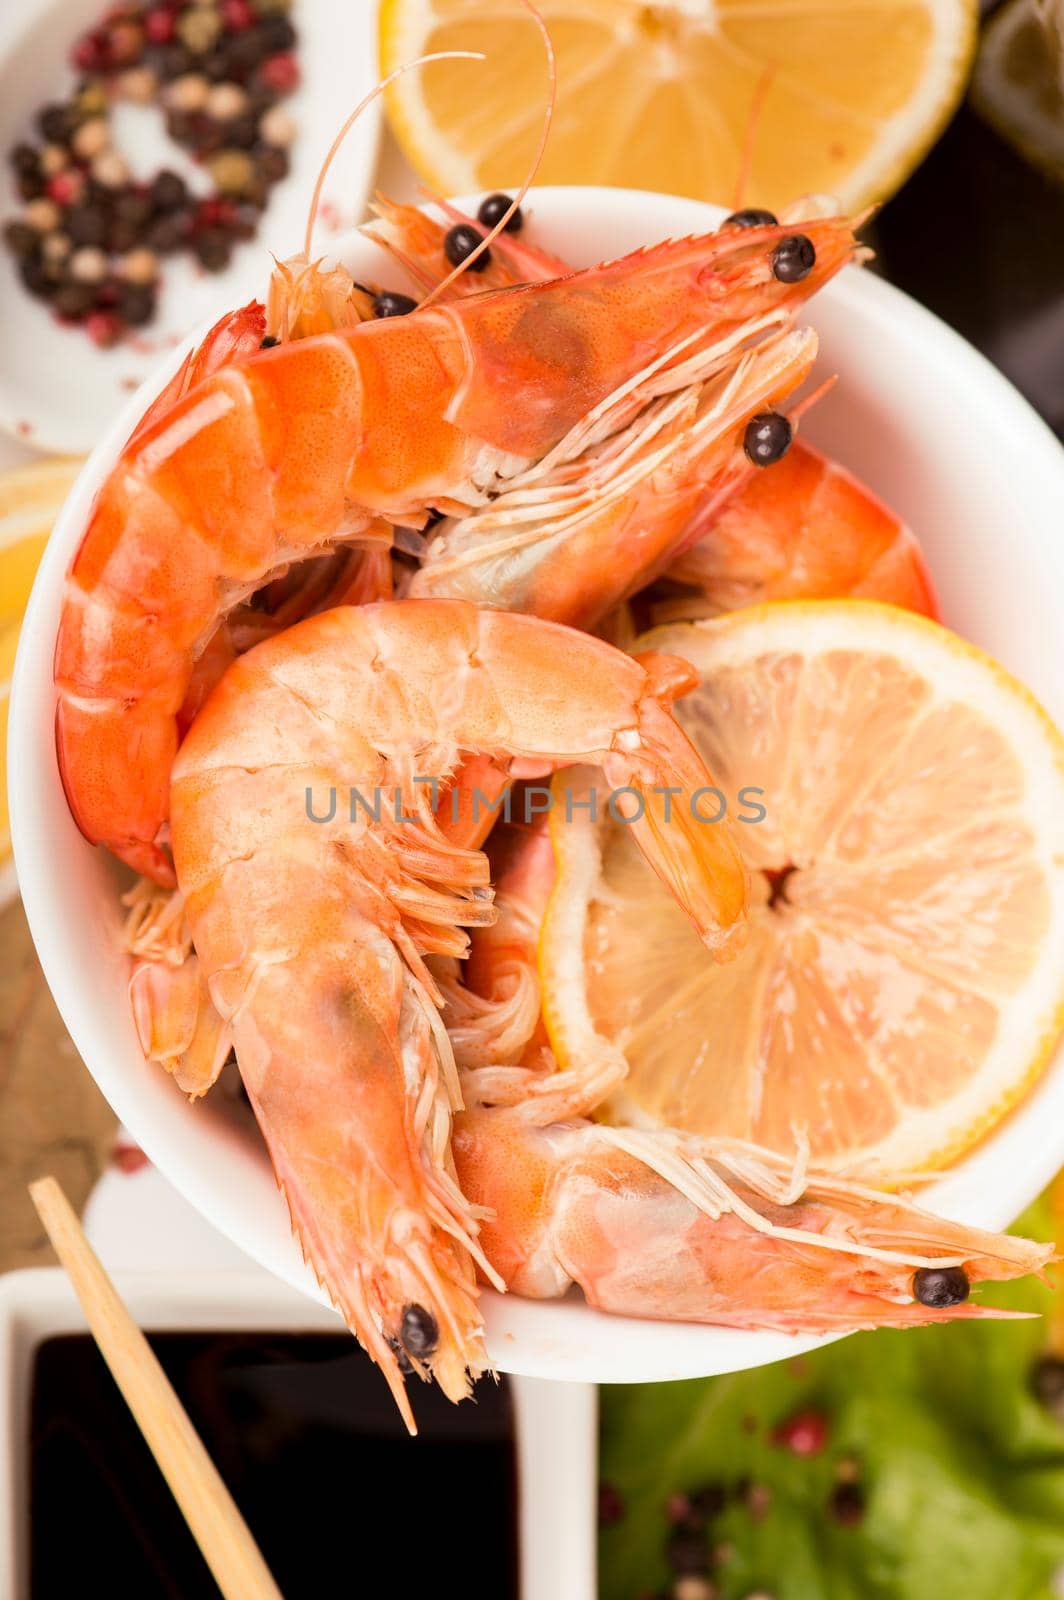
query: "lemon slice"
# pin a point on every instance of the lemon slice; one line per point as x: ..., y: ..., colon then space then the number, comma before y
x: 1018, y: 84
x: 662, y: 96
x: 30, y: 498
x: 903, y: 979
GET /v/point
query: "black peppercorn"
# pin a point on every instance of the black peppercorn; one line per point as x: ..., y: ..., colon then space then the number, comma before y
x: 271, y: 162
x: 33, y: 274
x: 168, y: 191
x: 26, y: 159
x: 30, y: 185
x: 168, y: 232
x: 57, y: 123
x: 213, y: 249
x: 86, y: 225
x: 241, y: 132
x: 277, y: 34
x: 136, y: 303
x: 22, y: 240
x: 74, y: 299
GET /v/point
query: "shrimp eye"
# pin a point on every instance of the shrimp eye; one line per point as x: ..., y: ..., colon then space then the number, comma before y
x: 402, y: 1360
x: 494, y: 207
x: 459, y: 242
x: 794, y: 258
x: 768, y: 437
x: 941, y: 1287
x: 269, y: 342
x: 389, y: 304
x: 419, y: 1331
x: 751, y: 218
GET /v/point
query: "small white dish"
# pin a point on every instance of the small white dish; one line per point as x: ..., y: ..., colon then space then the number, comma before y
x: 932, y: 427
x: 57, y: 390
x: 555, y: 1425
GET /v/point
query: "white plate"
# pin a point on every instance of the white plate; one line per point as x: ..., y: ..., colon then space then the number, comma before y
x: 933, y: 428
x: 57, y: 390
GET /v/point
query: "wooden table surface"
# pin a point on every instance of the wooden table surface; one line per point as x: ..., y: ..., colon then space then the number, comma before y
x: 52, y: 1116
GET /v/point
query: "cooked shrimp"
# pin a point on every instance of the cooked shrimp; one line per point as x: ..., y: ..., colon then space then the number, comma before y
x: 659, y: 1224
x: 311, y: 935
x: 655, y: 1223
x: 291, y: 451
x: 806, y: 530
x: 572, y: 553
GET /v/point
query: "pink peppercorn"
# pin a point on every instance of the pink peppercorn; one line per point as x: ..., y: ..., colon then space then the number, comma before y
x: 280, y: 72
x: 103, y: 328
x: 159, y: 26
x: 237, y: 15
x: 806, y: 1433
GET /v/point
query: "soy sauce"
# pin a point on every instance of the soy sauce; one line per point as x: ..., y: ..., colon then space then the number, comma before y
x: 305, y: 1434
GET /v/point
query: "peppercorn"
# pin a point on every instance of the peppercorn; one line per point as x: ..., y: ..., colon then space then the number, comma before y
x: 277, y: 127
x: 134, y: 206
x: 168, y: 232
x: 847, y: 1504
x: 168, y: 191
x: 281, y: 72
x: 271, y: 162
x: 225, y: 101
x: 187, y: 93
x: 34, y: 275
x: 243, y: 132
x: 21, y: 239
x: 1047, y: 1383
x: 74, y: 300
x: 42, y: 215
x: 686, y: 1551
x: 88, y: 265
x: 57, y: 123
x: 198, y: 29
x: 231, y: 170
x: 277, y: 34
x: 93, y: 136
x: 138, y: 84
x: 55, y: 247
x: 103, y: 328
x: 213, y: 249
x: 30, y: 185
x: 25, y: 160
x: 139, y: 266
x: 54, y: 157
x: 110, y: 169
x: 86, y: 224
x: 136, y: 303
x: 610, y: 1506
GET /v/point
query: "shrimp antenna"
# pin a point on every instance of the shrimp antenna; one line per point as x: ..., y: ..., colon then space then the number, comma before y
x: 548, y: 117
x: 746, y: 156
x: 418, y: 61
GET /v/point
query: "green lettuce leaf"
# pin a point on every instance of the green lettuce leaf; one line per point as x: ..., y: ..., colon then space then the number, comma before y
x: 961, y: 1467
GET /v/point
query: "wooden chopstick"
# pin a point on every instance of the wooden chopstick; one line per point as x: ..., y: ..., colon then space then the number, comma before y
x: 206, y: 1504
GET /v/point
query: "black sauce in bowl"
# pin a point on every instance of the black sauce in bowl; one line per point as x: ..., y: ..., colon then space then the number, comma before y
x: 305, y: 1434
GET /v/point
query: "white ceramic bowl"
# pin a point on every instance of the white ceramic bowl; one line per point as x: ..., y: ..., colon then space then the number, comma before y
x: 919, y: 415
